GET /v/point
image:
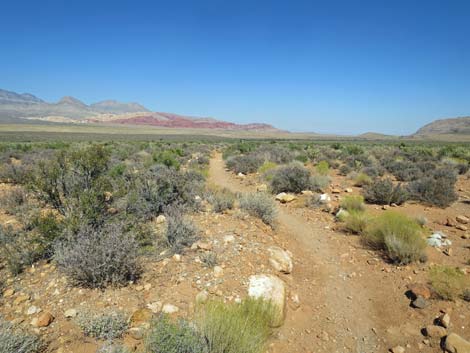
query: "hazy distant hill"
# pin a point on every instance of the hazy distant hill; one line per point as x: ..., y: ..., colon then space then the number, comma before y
x: 14, y: 106
x: 453, y: 126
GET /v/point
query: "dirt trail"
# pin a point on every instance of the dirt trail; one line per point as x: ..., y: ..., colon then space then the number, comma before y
x: 336, y: 313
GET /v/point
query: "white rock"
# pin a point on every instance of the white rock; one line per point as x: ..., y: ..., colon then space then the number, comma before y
x: 33, y: 310
x: 202, y: 297
x: 161, y: 219
x: 229, y: 238
x: 70, y: 313
x: 155, y: 307
x: 285, y: 198
x: 280, y: 259
x: 325, y: 198
x: 170, y: 309
x: 307, y: 192
x: 218, y: 271
x: 272, y: 289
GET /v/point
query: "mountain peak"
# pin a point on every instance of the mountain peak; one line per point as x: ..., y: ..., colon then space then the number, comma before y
x: 71, y: 101
x: 115, y: 107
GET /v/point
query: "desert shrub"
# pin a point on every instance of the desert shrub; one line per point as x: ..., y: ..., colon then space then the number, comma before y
x: 165, y: 336
x: 16, y: 249
x: 259, y: 205
x: 222, y: 200
x: 319, y: 183
x: 437, y: 189
x: 323, y: 168
x: 112, y: 348
x: 48, y: 228
x: 13, y: 340
x: 209, y: 259
x: 167, y: 158
x: 362, y: 179
x: 356, y: 221
x: 108, y: 325
x: 384, y: 192
x: 266, y: 167
x: 399, y: 236
x: 99, y: 257
x: 345, y: 169
x: 313, y: 201
x: 448, y: 282
x: 245, y: 164
x: 408, y: 174
x: 13, y: 200
x: 373, y: 172
x: 180, y: 232
x: 291, y: 178
x: 236, y: 328
x: 353, y: 203
x: 160, y: 187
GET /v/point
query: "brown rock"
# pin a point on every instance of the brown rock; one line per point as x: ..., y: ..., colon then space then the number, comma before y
x: 8, y: 292
x: 21, y: 299
x: 434, y: 331
x: 462, y: 219
x: 140, y: 316
x: 419, y: 290
x: 456, y: 344
x: 44, y: 320
x: 461, y: 227
x: 450, y: 222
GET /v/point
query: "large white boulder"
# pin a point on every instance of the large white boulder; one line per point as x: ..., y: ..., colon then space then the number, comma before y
x: 272, y: 289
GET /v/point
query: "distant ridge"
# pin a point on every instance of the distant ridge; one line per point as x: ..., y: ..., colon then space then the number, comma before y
x: 16, y: 107
x: 451, y: 126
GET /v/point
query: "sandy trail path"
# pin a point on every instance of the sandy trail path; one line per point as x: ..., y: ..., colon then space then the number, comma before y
x: 336, y: 313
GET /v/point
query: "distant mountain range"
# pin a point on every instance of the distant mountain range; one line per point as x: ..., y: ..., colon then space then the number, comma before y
x: 15, y: 107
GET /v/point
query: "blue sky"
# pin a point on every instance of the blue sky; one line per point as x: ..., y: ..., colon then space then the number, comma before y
x: 326, y: 66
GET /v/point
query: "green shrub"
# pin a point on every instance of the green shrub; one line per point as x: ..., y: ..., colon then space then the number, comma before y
x: 166, y: 336
x: 17, y: 249
x: 167, y: 158
x: 353, y: 203
x: 356, y: 221
x: 99, y: 257
x: 222, y: 200
x: 108, y: 326
x: 236, y: 328
x: 266, y: 167
x: 259, y: 205
x: 319, y: 183
x: 448, y: 282
x: 362, y: 179
x: 323, y: 168
x: 384, y: 192
x: 13, y: 340
x: 291, y: 178
x: 180, y: 232
x: 398, y: 235
x: 437, y: 189
x: 48, y: 227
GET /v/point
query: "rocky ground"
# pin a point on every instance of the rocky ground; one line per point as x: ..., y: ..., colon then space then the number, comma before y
x: 340, y: 295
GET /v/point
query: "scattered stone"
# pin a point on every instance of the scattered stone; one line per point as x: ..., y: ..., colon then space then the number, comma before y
x: 140, y: 316
x: 44, y: 320
x: 397, y: 349
x: 280, y: 259
x: 419, y: 290
x: 307, y: 192
x: 177, y: 257
x: 419, y: 303
x: 448, y: 251
x: 342, y: 214
x: 444, y: 320
x: 161, y: 219
x: 335, y: 191
x: 70, y: 313
x: 203, y: 246
x: 434, y: 331
x: 21, y: 299
x: 348, y: 190
x: 262, y: 188
x: 8, y: 292
x: 218, y: 271
x: 466, y: 236
x: 202, y: 297
x: 462, y: 219
x: 33, y: 310
x: 155, y: 307
x: 438, y: 239
x: 461, y: 227
x: 229, y: 238
x: 270, y: 288
x: 285, y: 198
x: 325, y: 198
x: 241, y: 175
x: 170, y: 309
x: 456, y: 344
x: 136, y: 333
x: 450, y: 222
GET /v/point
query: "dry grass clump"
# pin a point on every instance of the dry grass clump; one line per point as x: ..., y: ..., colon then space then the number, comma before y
x: 355, y: 221
x: 362, y: 179
x: 353, y: 203
x: 107, y: 326
x: 13, y: 340
x: 259, y: 205
x: 399, y: 236
x: 222, y: 200
x: 448, y: 282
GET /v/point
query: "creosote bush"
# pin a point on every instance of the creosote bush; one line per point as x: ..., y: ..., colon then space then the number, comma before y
x: 399, y: 236
x: 14, y: 340
x: 448, y: 282
x: 166, y: 336
x: 290, y: 178
x: 107, y: 325
x: 99, y: 257
x: 437, y: 189
x: 259, y: 205
x: 180, y: 232
x: 384, y: 192
x: 353, y: 203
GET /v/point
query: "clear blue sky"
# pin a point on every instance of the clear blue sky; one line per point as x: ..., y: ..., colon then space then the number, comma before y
x: 326, y: 66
